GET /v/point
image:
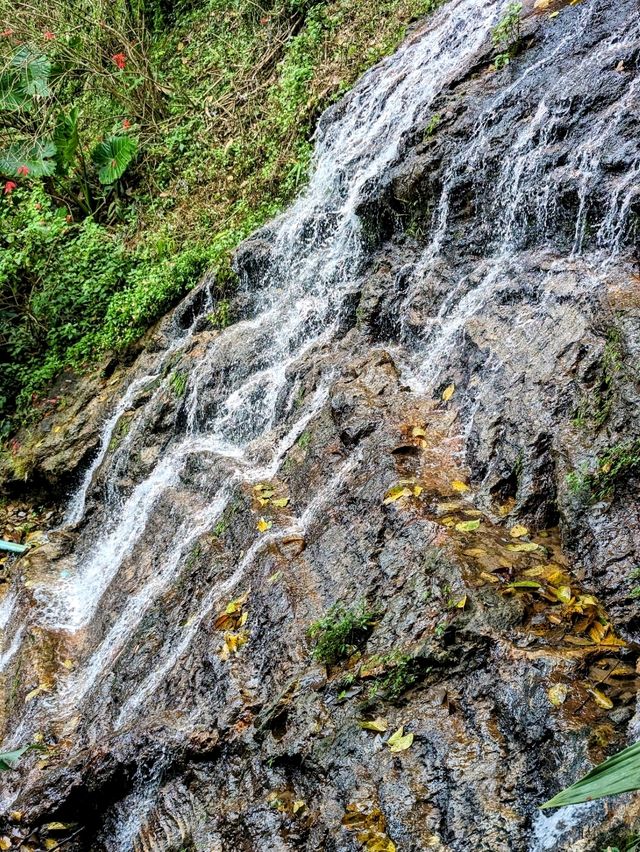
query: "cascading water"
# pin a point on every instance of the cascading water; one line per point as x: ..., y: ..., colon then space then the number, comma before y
x: 141, y: 518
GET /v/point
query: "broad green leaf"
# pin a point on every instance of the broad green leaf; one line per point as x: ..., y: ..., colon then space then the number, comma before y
x: 9, y: 759
x: 113, y: 156
x: 618, y: 774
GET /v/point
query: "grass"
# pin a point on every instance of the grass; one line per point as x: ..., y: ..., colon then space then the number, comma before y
x: 341, y: 632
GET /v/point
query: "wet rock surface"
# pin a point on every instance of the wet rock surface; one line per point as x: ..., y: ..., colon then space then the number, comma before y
x: 487, y: 349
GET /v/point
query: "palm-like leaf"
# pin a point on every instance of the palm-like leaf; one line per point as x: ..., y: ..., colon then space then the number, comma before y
x: 619, y: 774
x: 113, y: 156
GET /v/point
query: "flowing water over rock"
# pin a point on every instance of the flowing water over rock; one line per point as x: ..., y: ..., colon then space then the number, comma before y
x: 431, y: 312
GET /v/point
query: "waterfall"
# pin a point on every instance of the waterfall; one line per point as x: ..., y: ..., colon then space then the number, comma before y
x: 137, y: 527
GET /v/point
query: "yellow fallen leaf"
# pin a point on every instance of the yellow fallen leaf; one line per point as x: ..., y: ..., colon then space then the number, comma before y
x: 459, y: 486
x: 558, y: 694
x: 243, y: 618
x: 601, y: 699
x: 15, y: 816
x: 476, y: 552
x: 31, y: 695
x: 564, y: 594
x: 379, y: 724
x: 523, y: 547
x: 263, y: 526
x: 444, y: 508
x: 281, y: 502
x: 298, y: 806
x: 58, y: 826
x: 468, y: 526
x: 5, y: 842
x: 417, y: 490
x: 399, y: 741
x: 68, y: 664
x: 50, y: 843
x: 448, y: 392
x: 418, y: 432
x: 598, y: 631
x: 274, y: 577
x: 554, y: 14
x: 395, y: 493
x: 462, y: 602
x: 490, y: 578
x: 518, y: 531
x: 263, y: 501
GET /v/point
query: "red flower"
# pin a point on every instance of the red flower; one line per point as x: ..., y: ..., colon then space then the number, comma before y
x: 9, y: 187
x: 120, y: 59
x: 49, y: 36
x: 126, y: 124
x: 264, y: 21
x: 7, y: 33
x: 23, y: 171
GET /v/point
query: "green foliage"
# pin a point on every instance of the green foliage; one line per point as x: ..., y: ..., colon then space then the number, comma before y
x: 155, y: 136
x: 595, y: 409
x: 112, y: 157
x: 220, y: 316
x: 304, y: 440
x: 432, y: 125
x: 178, y: 382
x: 505, y: 36
x: 618, y: 774
x: 402, y: 672
x: 341, y: 632
x: 614, y: 465
x: 630, y: 842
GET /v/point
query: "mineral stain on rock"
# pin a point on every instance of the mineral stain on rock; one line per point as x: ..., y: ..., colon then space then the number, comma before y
x: 415, y: 415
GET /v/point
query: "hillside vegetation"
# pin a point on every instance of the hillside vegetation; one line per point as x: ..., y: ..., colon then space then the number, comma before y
x: 140, y: 142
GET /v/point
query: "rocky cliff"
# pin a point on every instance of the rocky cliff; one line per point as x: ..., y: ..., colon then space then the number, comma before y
x: 426, y: 411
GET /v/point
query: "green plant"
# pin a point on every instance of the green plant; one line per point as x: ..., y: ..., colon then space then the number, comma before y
x: 341, y: 632
x: 618, y: 774
x: 595, y: 408
x: 613, y: 465
x: 178, y: 382
x: 432, y: 125
x: 220, y: 316
x: 403, y: 671
x: 304, y: 440
x: 505, y: 36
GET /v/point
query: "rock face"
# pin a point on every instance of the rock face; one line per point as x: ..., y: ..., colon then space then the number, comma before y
x: 428, y: 414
